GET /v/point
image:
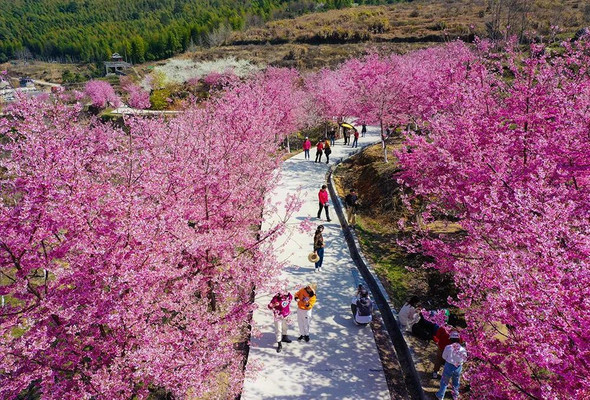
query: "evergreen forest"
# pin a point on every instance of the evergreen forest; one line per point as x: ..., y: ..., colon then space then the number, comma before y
x: 140, y: 30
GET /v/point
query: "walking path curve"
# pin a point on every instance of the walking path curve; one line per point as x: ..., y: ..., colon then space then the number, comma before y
x: 341, y: 360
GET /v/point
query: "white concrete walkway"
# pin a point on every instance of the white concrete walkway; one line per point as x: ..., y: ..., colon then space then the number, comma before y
x: 341, y: 360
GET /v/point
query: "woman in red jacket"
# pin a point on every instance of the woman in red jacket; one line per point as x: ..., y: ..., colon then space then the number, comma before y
x: 323, y: 198
x: 319, y: 150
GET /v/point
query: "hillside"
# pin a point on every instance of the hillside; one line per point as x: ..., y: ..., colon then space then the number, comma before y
x: 426, y: 21
x: 320, y: 39
x: 90, y: 30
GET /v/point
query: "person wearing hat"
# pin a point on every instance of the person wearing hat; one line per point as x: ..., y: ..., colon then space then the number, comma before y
x: 454, y: 356
x: 306, y: 147
x: 306, y: 299
x: 280, y: 309
x: 318, y: 247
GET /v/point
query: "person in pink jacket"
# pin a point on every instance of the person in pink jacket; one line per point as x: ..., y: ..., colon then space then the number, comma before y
x: 306, y: 147
x: 280, y: 309
x: 323, y: 198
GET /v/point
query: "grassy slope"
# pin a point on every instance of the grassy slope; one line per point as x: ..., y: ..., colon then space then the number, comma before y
x: 414, y: 21
x: 378, y: 228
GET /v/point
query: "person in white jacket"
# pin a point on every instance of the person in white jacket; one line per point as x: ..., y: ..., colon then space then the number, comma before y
x: 408, y: 315
x: 454, y: 356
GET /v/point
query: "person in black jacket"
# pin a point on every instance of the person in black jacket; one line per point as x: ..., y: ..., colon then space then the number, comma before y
x: 362, y: 307
x: 350, y: 201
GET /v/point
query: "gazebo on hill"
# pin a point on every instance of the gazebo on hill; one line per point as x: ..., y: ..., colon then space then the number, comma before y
x: 116, y: 65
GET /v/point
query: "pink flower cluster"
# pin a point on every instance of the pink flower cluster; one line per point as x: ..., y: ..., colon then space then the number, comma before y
x: 101, y: 94
x: 219, y: 80
x: 137, y: 97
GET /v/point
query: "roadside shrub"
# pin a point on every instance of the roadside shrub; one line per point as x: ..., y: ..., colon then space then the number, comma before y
x: 160, y: 99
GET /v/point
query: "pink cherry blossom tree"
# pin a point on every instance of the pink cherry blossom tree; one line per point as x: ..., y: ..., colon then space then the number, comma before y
x: 504, y: 154
x: 128, y: 256
x: 137, y: 96
x: 101, y: 94
x: 501, y: 145
x: 327, y: 97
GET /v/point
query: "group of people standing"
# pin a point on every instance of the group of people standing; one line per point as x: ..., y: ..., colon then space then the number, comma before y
x: 324, y: 145
x: 361, y: 306
x: 355, y: 136
x: 280, y: 306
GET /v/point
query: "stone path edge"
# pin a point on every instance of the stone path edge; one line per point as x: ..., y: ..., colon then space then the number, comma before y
x: 411, y: 377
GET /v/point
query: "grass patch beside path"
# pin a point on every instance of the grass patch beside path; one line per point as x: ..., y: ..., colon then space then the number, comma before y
x: 378, y: 231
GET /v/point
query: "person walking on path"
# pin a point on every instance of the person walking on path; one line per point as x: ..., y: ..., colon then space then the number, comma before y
x: 306, y: 147
x: 332, y: 136
x: 355, y: 142
x: 306, y: 299
x: 350, y: 201
x: 327, y: 150
x: 346, y: 135
x: 280, y: 309
x: 454, y: 356
x: 364, y: 130
x: 319, y: 151
x: 323, y: 198
x: 318, y: 247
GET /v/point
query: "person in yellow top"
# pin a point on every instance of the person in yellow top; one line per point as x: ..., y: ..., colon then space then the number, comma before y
x: 327, y: 150
x: 306, y: 298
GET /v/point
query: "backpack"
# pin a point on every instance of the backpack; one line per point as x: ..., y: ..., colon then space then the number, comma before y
x: 364, y: 307
x: 424, y: 329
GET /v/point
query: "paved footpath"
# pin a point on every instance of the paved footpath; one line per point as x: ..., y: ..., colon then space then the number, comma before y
x: 341, y: 359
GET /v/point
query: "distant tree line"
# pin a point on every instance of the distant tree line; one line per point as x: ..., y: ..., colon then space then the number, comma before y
x: 140, y: 30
